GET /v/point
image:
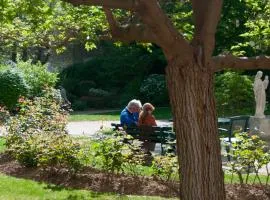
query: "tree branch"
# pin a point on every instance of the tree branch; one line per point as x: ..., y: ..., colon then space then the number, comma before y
x: 167, y: 35
x: 120, y: 4
x: 128, y: 33
x: 206, y: 16
x: 157, y: 26
x: 230, y: 61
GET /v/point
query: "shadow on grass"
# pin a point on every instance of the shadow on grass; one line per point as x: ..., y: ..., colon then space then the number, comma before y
x: 83, y: 197
x: 55, y: 187
x: 58, y: 188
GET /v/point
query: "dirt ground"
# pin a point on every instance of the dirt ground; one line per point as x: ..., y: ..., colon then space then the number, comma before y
x: 99, y: 181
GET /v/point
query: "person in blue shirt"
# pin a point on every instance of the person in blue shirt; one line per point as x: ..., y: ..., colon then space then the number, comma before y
x: 130, y: 115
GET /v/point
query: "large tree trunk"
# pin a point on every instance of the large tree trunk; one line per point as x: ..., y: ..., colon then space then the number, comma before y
x: 192, y: 98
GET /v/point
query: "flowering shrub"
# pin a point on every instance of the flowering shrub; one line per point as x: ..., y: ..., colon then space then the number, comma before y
x: 37, y: 135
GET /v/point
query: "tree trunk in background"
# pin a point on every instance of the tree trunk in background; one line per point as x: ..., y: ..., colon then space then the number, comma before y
x: 192, y: 98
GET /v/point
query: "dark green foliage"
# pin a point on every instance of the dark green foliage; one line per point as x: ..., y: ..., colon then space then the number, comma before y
x: 131, y: 91
x: 79, y: 105
x: 154, y: 90
x: 118, y: 71
x: 244, y: 28
x: 234, y: 94
x: 84, y: 87
x: 12, y: 87
x: 231, y: 26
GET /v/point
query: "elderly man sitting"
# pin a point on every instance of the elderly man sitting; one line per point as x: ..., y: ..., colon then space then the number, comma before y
x: 130, y: 115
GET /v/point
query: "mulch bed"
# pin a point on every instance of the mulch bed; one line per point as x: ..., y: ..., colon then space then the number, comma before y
x: 100, y: 181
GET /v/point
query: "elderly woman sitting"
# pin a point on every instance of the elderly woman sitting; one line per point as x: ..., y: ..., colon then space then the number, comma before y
x: 130, y: 115
x: 146, y: 117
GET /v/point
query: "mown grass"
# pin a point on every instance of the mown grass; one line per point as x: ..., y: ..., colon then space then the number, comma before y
x: 22, y: 189
x: 12, y: 188
x: 160, y: 113
x: 2, y: 144
x: 228, y: 179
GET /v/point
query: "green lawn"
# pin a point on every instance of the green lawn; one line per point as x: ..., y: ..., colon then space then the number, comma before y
x: 160, y: 113
x: 2, y: 144
x: 21, y: 189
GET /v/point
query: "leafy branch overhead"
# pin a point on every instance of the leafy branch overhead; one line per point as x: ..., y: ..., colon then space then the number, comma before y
x: 48, y: 24
x: 54, y: 24
x: 156, y: 27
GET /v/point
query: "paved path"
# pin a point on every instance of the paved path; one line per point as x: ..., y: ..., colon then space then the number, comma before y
x: 96, y: 111
x: 91, y: 127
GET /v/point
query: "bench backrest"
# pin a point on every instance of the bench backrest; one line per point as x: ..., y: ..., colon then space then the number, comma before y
x: 152, y: 133
x: 234, y: 124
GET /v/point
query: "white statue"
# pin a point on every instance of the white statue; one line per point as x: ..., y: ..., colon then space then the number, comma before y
x: 259, y: 88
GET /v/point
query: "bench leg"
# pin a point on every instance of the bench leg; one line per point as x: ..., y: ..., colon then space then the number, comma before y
x: 149, y: 146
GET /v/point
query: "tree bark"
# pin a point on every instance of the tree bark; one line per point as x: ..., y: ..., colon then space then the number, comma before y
x: 230, y: 61
x: 192, y: 98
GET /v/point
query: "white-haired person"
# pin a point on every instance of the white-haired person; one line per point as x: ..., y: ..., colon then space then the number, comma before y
x: 130, y: 115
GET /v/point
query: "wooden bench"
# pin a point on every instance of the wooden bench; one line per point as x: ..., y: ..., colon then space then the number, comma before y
x: 166, y: 136
x: 231, y: 125
x: 228, y: 126
x: 155, y: 134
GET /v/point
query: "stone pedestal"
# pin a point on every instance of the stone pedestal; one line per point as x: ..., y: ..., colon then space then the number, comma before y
x: 261, y: 127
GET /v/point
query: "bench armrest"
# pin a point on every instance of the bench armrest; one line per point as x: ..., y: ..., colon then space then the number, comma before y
x: 223, y: 129
x: 116, y: 126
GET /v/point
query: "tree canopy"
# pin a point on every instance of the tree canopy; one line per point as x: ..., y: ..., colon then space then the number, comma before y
x: 49, y: 24
x: 53, y: 24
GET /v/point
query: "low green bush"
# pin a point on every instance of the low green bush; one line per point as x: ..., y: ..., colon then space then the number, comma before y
x: 115, y: 152
x: 234, y: 94
x: 248, y: 155
x: 24, y: 79
x: 37, y: 76
x: 109, y: 153
x: 135, y: 159
x: 164, y: 167
x: 12, y: 87
x: 37, y: 135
